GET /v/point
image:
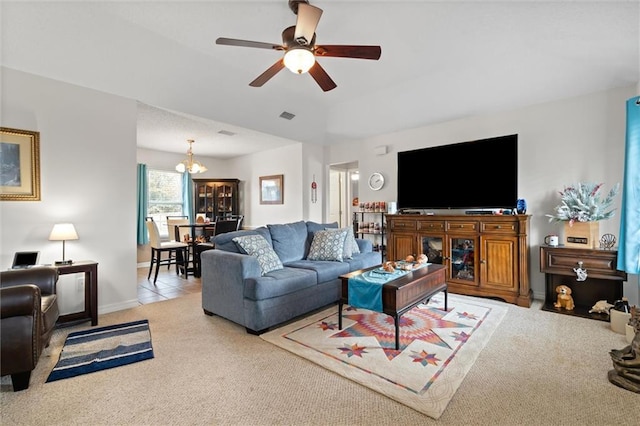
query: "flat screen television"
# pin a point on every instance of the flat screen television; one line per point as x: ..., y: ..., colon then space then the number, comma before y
x: 481, y: 174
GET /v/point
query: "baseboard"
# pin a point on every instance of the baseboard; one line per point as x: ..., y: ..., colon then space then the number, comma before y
x: 114, y: 307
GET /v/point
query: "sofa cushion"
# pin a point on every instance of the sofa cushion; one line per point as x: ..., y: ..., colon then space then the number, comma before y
x: 326, y: 270
x: 225, y: 241
x: 256, y: 245
x: 289, y: 240
x: 364, y: 260
x: 328, y: 245
x: 279, y: 283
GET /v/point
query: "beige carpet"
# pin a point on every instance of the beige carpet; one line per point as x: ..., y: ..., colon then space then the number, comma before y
x: 539, y: 368
x: 436, y: 350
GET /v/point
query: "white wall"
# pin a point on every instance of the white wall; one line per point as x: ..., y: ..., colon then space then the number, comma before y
x: 573, y: 140
x: 88, y: 174
x: 285, y: 161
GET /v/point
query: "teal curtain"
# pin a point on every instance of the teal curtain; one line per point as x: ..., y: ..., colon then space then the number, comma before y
x: 143, y: 238
x: 629, y: 245
x: 187, y: 196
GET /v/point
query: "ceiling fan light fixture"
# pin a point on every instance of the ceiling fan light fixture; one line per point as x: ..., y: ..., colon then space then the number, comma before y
x: 299, y: 60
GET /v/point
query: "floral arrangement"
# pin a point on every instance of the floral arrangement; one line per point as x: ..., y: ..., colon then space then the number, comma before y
x: 581, y: 203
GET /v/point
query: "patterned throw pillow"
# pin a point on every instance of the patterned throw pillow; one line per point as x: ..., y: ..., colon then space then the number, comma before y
x: 257, y: 245
x: 328, y: 245
x: 350, y: 245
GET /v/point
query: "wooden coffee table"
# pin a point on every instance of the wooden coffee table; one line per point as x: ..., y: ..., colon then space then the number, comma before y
x: 402, y: 294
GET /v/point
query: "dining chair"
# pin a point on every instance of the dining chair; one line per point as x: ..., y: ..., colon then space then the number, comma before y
x: 158, y: 247
x: 174, y: 230
x: 226, y: 225
x: 176, y: 235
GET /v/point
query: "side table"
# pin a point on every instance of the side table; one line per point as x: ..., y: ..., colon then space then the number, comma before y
x: 603, y: 280
x: 90, y: 270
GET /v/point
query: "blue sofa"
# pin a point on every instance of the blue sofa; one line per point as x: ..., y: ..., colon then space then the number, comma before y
x: 235, y: 287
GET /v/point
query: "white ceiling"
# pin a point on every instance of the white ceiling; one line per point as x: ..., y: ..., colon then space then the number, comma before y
x: 440, y: 61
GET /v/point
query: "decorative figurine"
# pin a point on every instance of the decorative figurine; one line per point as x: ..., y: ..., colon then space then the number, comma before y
x: 581, y: 273
x: 626, y: 361
x: 601, y: 307
x: 564, y: 298
x: 607, y: 241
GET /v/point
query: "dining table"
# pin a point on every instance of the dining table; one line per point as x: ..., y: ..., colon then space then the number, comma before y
x: 196, y: 229
x: 193, y: 230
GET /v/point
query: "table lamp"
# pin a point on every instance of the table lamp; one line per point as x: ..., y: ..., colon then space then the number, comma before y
x: 63, y: 232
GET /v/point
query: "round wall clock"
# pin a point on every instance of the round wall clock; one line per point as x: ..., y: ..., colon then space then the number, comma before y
x: 376, y: 181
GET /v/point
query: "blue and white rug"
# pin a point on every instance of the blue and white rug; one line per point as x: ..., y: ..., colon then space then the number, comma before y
x: 103, y: 348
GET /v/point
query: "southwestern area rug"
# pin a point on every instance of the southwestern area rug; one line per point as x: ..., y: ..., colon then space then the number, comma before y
x: 102, y: 348
x: 437, y: 348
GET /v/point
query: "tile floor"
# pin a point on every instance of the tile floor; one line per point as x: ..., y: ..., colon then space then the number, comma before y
x: 168, y: 285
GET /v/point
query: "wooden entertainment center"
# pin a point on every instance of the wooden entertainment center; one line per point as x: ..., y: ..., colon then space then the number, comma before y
x: 485, y: 255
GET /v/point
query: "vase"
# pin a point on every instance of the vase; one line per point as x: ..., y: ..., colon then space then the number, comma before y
x: 521, y: 206
x: 581, y: 234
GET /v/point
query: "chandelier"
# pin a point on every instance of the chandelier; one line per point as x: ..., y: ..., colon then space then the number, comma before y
x: 189, y: 165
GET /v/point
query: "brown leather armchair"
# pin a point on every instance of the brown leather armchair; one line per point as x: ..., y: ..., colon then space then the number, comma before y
x: 28, y: 315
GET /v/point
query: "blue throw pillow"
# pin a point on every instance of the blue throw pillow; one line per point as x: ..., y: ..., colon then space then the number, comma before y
x: 328, y: 245
x: 312, y: 228
x: 256, y: 245
x: 350, y: 244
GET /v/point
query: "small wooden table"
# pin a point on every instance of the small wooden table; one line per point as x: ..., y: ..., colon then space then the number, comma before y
x: 402, y: 294
x: 90, y: 270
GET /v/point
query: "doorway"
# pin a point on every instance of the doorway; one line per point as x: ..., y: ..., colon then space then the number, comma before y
x: 343, y: 192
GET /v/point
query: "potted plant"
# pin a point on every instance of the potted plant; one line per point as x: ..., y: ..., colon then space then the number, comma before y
x: 580, y: 210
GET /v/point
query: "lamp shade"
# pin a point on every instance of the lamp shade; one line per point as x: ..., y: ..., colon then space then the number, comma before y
x: 62, y: 232
x: 299, y: 60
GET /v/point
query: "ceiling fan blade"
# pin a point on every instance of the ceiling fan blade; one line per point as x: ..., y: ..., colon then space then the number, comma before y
x: 322, y: 78
x: 266, y: 76
x: 308, y: 18
x: 247, y: 43
x: 347, y: 51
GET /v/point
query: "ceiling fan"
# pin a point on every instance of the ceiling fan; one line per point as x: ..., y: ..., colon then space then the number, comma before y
x: 300, y: 48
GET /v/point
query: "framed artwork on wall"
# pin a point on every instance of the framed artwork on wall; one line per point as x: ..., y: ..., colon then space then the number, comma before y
x: 272, y: 189
x: 19, y: 165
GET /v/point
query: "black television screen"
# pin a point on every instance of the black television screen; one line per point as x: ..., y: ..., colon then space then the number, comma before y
x: 478, y: 174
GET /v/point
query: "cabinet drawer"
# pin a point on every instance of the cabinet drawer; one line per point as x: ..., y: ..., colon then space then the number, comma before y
x: 498, y: 227
x: 598, y: 263
x: 431, y: 225
x: 403, y: 225
x: 462, y: 226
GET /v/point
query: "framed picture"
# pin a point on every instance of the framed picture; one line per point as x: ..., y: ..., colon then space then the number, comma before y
x: 19, y: 165
x: 271, y: 189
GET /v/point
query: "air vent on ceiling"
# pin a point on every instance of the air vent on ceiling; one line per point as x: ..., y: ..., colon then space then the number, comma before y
x: 287, y: 115
x: 226, y: 133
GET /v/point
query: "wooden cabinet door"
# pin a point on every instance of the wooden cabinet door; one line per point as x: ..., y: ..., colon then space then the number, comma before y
x: 499, y: 262
x: 401, y: 245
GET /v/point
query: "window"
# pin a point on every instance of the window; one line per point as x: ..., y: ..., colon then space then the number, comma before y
x: 165, y: 197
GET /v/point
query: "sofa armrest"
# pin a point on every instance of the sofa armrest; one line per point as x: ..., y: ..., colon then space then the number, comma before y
x: 220, y: 265
x: 365, y: 246
x: 223, y: 278
x: 45, y: 277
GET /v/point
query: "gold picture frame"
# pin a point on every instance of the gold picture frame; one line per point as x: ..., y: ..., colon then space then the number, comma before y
x: 272, y: 189
x: 19, y: 165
